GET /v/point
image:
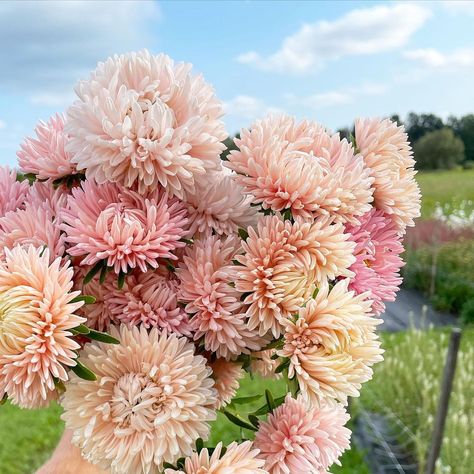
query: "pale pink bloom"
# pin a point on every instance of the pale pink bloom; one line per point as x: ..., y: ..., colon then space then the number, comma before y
x: 152, y: 399
x: 37, y: 315
x: 148, y: 299
x: 98, y: 314
x: 142, y: 119
x: 226, y: 375
x: 262, y: 364
x: 298, y: 439
x: 282, y: 263
x: 332, y: 344
x: 301, y: 167
x: 378, y: 249
x: 37, y: 222
x: 237, y: 459
x: 389, y: 156
x: 220, y: 206
x: 126, y: 230
x: 45, y: 156
x: 12, y: 192
x: 207, y: 276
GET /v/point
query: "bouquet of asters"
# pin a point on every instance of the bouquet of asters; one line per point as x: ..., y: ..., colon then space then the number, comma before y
x: 144, y: 270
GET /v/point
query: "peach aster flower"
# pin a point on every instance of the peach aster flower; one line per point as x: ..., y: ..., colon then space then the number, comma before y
x: 220, y: 206
x: 302, y: 168
x: 332, y: 344
x: 144, y: 120
x: 207, y: 276
x: 301, y: 440
x: 226, y: 375
x: 378, y: 263
x: 237, y: 459
x: 389, y: 157
x: 12, y: 192
x: 282, y: 263
x: 36, y: 318
x: 45, y: 156
x: 262, y: 364
x: 126, y: 230
x: 152, y: 399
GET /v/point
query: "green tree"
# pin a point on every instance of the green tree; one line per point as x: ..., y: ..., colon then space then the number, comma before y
x: 230, y: 145
x: 418, y: 125
x: 439, y: 149
x: 464, y: 128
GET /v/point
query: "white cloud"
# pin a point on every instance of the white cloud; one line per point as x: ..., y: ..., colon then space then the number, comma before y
x: 359, y: 32
x: 460, y: 6
x: 3, y: 124
x: 53, y: 99
x: 430, y: 57
x: 343, y: 96
x: 248, y: 107
x: 45, y: 47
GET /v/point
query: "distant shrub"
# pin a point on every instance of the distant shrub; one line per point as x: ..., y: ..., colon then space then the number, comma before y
x: 468, y: 165
x: 453, y: 277
x: 467, y: 312
x: 440, y: 149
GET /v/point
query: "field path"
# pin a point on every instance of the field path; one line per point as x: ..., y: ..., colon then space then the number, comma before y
x: 408, y: 309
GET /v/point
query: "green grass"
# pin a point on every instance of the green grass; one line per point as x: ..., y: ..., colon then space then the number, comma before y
x: 27, y: 437
x: 408, y: 384
x: 444, y: 187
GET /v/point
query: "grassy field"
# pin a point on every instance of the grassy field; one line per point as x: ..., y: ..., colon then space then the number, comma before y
x: 445, y: 187
x: 407, y: 384
x: 27, y: 437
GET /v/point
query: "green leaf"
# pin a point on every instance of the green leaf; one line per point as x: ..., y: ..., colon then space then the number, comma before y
x: 81, y: 329
x: 121, y: 279
x: 238, y: 420
x: 263, y: 410
x: 199, y: 445
x: 83, y: 372
x: 102, y: 337
x: 315, y: 293
x: 254, y: 420
x: 236, y: 262
x: 187, y: 241
x: 88, y: 299
x: 103, y: 274
x: 276, y: 344
x: 284, y: 365
x: 167, y: 465
x: 93, y: 271
x: 270, y: 400
x: 244, y: 400
x: 293, y: 386
x: 4, y: 399
x: 243, y: 234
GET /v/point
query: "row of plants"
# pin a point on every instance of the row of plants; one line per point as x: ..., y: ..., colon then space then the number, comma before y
x: 445, y: 273
x: 407, y: 386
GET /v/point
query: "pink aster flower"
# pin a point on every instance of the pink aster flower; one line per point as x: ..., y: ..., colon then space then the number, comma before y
x: 226, y: 375
x: 45, y: 155
x: 332, y: 344
x: 207, y: 276
x: 142, y: 119
x: 388, y: 155
x: 301, y: 167
x: 378, y: 262
x: 301, y: 440
x: 37, y: 223
x: 220, y: 206
x: 12, y: 192
x: 238, y: 459
x: 282, y: 263
x: 37, y: 315
x: 152, y: 399
x: 149, y: 299
x: 126, y: 230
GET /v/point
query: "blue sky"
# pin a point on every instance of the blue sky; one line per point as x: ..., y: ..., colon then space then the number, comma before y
x: 327, y: 61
